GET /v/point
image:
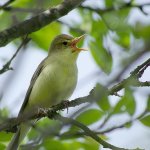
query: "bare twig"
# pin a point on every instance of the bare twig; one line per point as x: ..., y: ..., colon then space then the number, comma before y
x: 87, y: 131
x: 67, y: 135
x: 132, y: 79
x: 80, y: 134
x: 126, y: 5
x: 7, y: 67
x: 132, y: 59
x: 140, y: 69
x: 124, y: 124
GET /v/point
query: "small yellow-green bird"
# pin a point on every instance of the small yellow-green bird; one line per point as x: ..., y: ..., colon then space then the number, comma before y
x: 53, y: 81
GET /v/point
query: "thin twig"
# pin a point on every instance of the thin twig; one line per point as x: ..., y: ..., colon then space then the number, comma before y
x: 124, y: 124
x: 67, y: 135
x: 106, y: 10
x: 141, y: 68
x: 132, y: 79
x: 6, y: 4
x: 87, y: 131
x: 7, y: 67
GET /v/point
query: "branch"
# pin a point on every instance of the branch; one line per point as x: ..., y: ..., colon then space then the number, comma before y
x: 68, y: 135
x: 87, y: 131
x: 126, y: 5
x: 11, y: 123
x: 144, y: 113
x: 37, y: 22
x: 113, y: 8
x: 92, y: 97
x: 140, y: 69
x: 7, y: 67
x: 132, y: 80
x: 48, y: 113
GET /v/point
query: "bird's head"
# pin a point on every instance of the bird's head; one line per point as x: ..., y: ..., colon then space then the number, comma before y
x: 66, y: 44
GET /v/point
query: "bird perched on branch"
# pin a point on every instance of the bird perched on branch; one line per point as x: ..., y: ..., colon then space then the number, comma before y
x: 53, y: 81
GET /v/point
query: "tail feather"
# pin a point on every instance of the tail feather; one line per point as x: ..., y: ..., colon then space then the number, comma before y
x: 13, y: 145
x: 18, y: 137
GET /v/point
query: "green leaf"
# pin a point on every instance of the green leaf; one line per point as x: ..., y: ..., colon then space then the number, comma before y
x: 35, y: 3
x: 141, y: 31
x: 99, y: 29
x: 100, y: 95
x: 126, y: 104
x: 117, y: 20
x: 128, y: 125
x: 129, y: 100
x: 3, y: 114
x: 99, y: 91
x: 123, y: 39
x: 90, y: 144
x: 146, y: 120
x: 5, y: 137
x: 73, y: 145
x: 2, y: 146
x: 86, y: 18
x: 53, y: 144
x: 44, y: 125
x: 101, y: 56
x: 90, y: 116
x: 44, y: 36
x: 54, y: 3
x: 21, y: 3
x: 5, y: 20
x: 118, y: 108
x: 104, y: 104
x: 108, y: 3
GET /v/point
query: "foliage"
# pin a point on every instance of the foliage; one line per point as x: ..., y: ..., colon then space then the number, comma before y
x: 108, y: 29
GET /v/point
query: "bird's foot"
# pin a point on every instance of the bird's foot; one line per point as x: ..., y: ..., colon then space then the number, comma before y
x: 66, y: 104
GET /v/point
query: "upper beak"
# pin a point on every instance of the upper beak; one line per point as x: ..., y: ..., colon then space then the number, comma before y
x: 74, y: 42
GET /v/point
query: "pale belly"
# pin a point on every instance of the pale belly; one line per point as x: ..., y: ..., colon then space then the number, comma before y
x: 54, y: 84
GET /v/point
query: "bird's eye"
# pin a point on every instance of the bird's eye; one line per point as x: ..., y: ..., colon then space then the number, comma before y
x: 65, y: 43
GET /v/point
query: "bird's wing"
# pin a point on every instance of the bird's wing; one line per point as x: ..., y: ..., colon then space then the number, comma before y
x: 34, y: 78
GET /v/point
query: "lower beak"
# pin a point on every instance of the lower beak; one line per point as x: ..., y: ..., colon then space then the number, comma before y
x: 74, y: 42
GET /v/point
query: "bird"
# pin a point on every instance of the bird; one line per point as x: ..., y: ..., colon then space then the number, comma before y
x: 53, y: 81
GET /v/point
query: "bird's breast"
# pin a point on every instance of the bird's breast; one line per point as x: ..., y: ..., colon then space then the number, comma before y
x: 56, y: 82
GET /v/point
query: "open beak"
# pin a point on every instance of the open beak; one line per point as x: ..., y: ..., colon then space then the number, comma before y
x: 74, y: 42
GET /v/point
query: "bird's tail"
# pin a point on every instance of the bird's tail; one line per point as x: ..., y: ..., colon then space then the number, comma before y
x: 13, y: 145
x: 18, y: 137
